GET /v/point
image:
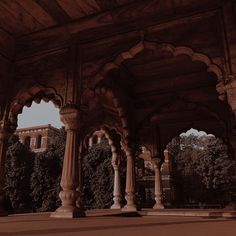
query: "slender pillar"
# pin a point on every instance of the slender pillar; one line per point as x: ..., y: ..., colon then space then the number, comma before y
x: 4, y: 136
x: 130, y: 182
x: 158, y: 185
x: 79, y: 201
x: 117, y: 187
x: 70, y: 174
x: 90, y: 141
x: 99, y: 139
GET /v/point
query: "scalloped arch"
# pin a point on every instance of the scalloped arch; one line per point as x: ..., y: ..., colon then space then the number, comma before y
x: 120, y: 110
x: 106, y: 132
x: 35, y: 93
x: 175, y: 50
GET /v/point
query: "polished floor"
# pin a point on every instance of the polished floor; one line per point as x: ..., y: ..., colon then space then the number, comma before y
x: 42, y: 224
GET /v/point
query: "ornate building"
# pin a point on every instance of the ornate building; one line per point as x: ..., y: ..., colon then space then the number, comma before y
x: 139, y: 72
x: 37, y: 138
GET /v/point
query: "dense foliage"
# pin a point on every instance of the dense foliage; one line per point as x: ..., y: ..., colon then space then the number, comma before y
x: 99, y: 176
x: 203, y: 172
x: 33, y: 180
x: 19, y: 168
x: 45, y: 180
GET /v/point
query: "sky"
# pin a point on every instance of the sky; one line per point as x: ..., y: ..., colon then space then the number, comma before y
x: 195, y: 132
x: 39, y: 114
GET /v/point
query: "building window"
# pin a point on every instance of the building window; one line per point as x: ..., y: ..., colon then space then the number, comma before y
x: 27, y: 141
x: 39, y: 141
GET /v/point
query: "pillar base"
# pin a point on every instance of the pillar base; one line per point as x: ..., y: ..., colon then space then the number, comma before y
x: 158, y: 206
x: 116, y: 206
x: 3, y: 213
x: 129, y: 208
x: 68, y: 212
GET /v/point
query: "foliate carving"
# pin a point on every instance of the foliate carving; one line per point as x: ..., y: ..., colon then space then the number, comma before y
x: 70, y: 115
x: 220, y: 88
x: 68, y: 197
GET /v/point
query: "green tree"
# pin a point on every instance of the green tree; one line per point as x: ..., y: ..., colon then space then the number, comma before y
x: 98, y: 177
x: 45, y: 180
x: 203, y: 170
x: 19, y: 167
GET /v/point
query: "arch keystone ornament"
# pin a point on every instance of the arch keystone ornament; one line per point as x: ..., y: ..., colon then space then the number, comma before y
x: 70, y: 116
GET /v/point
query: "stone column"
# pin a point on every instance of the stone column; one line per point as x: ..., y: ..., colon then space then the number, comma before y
x: 117, y: 187
x: 4, y: 136
x: 90, y: 141
x: 79, y: 189
x: 130, y: 182
x: 99, y: 139
x: 158, y: 185
x: 70, y: 175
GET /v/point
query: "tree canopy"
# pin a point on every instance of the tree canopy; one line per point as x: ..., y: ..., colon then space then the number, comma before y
x: 203, y: 171
x: 45, y: 179
x: 19, y: 168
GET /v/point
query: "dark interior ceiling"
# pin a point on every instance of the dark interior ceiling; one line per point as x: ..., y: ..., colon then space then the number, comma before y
x: 22, y: 17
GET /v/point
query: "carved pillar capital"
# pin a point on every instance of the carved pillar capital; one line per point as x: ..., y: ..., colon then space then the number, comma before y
x: 70, y: 115
x: 156, y: 162
x: 220, y: 88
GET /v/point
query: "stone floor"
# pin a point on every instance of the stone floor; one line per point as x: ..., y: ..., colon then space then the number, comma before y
x: 42, y: 224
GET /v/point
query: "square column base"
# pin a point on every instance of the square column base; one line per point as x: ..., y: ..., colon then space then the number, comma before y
x: 68, y: 213
x: 116, y: 206
x: 129, y: 208
x: 3, y: 213
x: 158, y: 207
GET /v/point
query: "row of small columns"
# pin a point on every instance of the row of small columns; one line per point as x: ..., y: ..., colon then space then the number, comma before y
x: 71, y: 180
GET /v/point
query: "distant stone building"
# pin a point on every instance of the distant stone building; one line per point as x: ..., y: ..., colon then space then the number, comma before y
x: 37, y: 138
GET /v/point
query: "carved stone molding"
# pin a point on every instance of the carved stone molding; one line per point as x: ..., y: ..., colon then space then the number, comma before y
x: 70, y: 115
x: 230, y: 90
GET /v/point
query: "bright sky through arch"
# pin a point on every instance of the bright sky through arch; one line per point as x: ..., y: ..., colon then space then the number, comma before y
x: 39, y: 114
x: 195, y: 132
